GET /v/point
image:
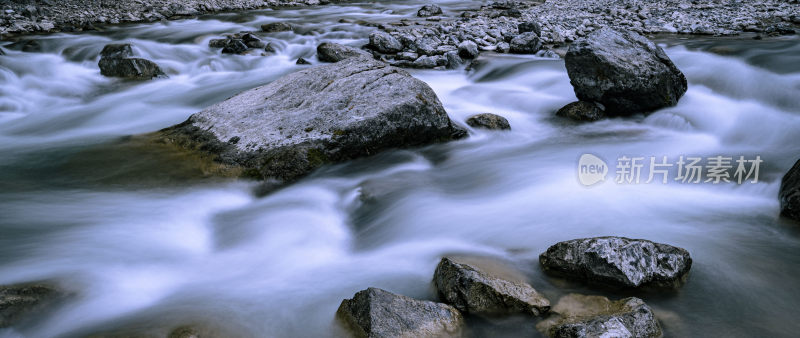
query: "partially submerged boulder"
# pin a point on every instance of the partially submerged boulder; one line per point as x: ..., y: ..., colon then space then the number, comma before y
x: 429, y: 10
x: 116, y: 61
x: 582, y: 111
x: 624, y: 71
x: 488, y: 121
x: 480, y: 290
x: 20, y: 300
x: 789, y: 194
x: 618, y: 262
x: 325, y: 114
x: 379, y: 313
x: 276, y: 27
x: 468, y: 49
x: 595, y: 316
x: 334, y: 52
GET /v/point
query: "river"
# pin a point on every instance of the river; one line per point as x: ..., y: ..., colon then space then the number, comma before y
x: 147, y: 243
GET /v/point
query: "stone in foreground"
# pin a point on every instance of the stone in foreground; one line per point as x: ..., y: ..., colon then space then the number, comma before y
x: 581, y: 111
x: 488, y: 121
x: 595, y: 316
x: 378, y: 313
x: 486, y: 290
x: 618, y: 262
x: 789, y: 194
x: 624, y: 71
x: 325, y: 114
x: 334, y: 52
x: 116, y: 61
x: 19, y: 300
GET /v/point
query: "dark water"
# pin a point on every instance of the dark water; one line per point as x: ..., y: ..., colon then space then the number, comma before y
x: 148, y: 242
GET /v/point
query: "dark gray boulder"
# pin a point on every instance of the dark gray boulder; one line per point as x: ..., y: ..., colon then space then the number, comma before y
x: 618, y: 262
x: 234, y: 46
x: 581, y: 316
x: 429, y: 10
x: 453, y: 60
x: 486, y: 290
x: 525, y: 43
x: 468, y: 49
x: 116, y: 61
x: 20, y: 300
x: 325, y: 114
x: 276, y: 27
x: 334, y: 52
x: 217, y: 43
x: 384, y: 42
x: 378, y: 313
x: 582, y: 111
x: 789, y: 193
x: 624, y: 71
x: 530, y: 26
x: 488, y: 121
x: 302, y: 61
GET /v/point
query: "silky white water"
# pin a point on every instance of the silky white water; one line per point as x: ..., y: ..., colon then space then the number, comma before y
x: 145, y: 244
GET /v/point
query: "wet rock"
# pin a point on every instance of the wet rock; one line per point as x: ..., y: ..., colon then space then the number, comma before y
x: 581, y: 111
x: 276, y: 27
x: 429, y: 10
x: 427, y: 62
x: 20, y: 300
x: 453, y: 60
x: 618, y: 262
x: 427, y: 45
x: 384, y: 42
x: 525, y: 43
x: 378, y: 313
x: 217, y: 43
x: 488, y: 121
x: 185, y: 332
x: 624, y: 71
x: 234, y: 46
x: 789, y: 194
x: 116, y: 61
x: 302, y: 61
x: 530, y: 26
x: 779, y: 30
x: 408, y: 56
x: 2, y: 52
x: 477, y: 290
x: 325, y: 114
x: 334, y: 52
x: 595, y: 316
x: 468, y: 49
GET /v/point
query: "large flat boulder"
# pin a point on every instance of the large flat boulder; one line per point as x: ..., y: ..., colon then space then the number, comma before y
x: 624, y: 71
x: 579, y: 316
x: 789, y: 194
x: 379, y: 313
x: 326, y: 114
x: 618, y: 262
x: 486, y: 290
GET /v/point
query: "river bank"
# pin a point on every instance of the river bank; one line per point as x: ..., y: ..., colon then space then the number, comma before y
x: 25, y: 17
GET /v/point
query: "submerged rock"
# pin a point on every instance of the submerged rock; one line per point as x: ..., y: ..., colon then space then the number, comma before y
x: 20, y: 300
x: 482, y: 290
x: 325, y: 114
x: 276, y: 27
x: 624, y: 71
x: 595, y: 316
x: 488, y: 121
x: 334, y: 52
x: 429, y: 10
x: 526, y: 43
x: 582, y: 111
x: 618, y: 261
x: 116, y: 61
x: 789, y: 194
x: 378, y: 313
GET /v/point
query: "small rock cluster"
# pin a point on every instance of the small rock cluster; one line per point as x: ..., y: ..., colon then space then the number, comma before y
x: 241, y: 43
x: 21, y: 17
x: 483, y: 287
x: 116, y: 60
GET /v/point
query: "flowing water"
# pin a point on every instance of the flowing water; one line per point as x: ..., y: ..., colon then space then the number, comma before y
x: 146, y: 242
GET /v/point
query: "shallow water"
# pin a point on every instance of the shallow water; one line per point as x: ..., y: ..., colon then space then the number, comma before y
x: 148, y: 242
